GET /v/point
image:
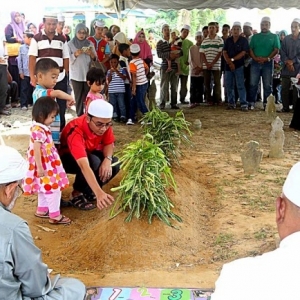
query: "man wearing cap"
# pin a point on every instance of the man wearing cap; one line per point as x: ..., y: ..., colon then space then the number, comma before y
x: 167, y: 79
x: 87, y: 146
x: 211, y: 51
x: 273, y: 275
x: 50, y: 44
x: 23, y: 274
x: 184, y: 62
x: 290, y: 56
x: 235, y: 48
x: 197, y: 81
x: 101, y: 46
x: 61, y: 25
x: 263, y: 47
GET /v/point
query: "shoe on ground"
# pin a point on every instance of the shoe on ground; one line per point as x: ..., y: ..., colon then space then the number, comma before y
x: 244, y: 108
x: 251, y: 107
x: 193, y: 105
x: 24, y: 108
x: 123, y: 120
x: 162, y: 106
x: 116, y: 119
x: 174, y: 107
x: 230, y: 107
x: 184, y: 102
x: 284, y: 110
x: 5, y: 112
x: 129, y: 122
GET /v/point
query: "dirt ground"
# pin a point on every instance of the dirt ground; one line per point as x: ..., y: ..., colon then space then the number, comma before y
x: 226, y: 214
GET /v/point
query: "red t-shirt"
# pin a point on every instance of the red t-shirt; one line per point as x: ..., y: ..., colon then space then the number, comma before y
x: 100, y: 49
x: 77, y: 138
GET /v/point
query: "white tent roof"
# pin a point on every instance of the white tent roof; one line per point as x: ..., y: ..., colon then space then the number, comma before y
x: 199, y: 4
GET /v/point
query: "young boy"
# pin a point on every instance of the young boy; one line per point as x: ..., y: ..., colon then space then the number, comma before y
x: 116, y: 88
x: 139, y: 71
x: 124, y: 63
x: 197, y: 79
x: 26, y: 87
x: 46, y: 72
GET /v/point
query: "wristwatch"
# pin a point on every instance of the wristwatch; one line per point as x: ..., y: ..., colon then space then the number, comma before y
x: 109, y: 158
x: 269, y: 59
x: 232, y: 59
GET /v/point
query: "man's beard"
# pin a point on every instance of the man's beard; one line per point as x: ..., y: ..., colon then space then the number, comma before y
x: 13, y: 201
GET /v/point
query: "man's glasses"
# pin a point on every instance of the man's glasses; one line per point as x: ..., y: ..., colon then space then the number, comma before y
x: 102, y: 125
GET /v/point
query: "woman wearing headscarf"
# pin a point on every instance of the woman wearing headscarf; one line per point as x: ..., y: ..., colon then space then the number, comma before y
x: 14, y: 34
x: 282, y: 34
x: 119, y: 38
x: 32, y: 28
x: 146, y: 53
x: 82, y: 52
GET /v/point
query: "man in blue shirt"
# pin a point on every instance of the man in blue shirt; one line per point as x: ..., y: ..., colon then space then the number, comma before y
x: 234, y: 51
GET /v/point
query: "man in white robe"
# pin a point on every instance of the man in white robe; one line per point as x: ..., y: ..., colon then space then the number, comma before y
x: 23, y: 275
x: 273, y: 275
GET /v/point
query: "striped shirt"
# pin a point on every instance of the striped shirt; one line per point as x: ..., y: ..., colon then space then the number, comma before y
x: 56, y: 49
x: 117, y: 84
x: 138, y: 66
x: 211, y: 48
x: 163, y: 49
x: 55, y: 126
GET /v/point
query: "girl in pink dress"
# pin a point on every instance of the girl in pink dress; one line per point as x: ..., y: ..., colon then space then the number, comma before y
x: 46, y: 176
x: 95, y: 78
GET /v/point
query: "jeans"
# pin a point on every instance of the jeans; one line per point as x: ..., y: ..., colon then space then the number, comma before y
x: 81, y: 90
x: 62, y: 86
x: 217, y: 85
x: 138, y: 101
x: 26, y: 92
x: 266, y: 72
x: 95, y: 160
x: 183, y: 87
x: 117, y: 101
x: 127, y: 98
x: 167, y: 79
x: 196, y: 89
x: 233, y: 78
x: 3, y: 86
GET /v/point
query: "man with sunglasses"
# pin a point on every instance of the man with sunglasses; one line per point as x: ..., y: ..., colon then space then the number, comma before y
x: 23, y: 275
x: 87, y: 145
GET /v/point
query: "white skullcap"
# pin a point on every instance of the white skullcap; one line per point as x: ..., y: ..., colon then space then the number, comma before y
x: 100, y: 109
x: 13, y: 166
x: 199, y: 33
x: 237, y: 24
x: 291, y: 187
x: 99, y: 23
x: 50, y: 16
x: 265, y: 19
x: 187, y: 27
x: 297, y: 20
x: 249, y: 24
x: 175, y: 31
x: 60, y: 18
x: 135, y: 48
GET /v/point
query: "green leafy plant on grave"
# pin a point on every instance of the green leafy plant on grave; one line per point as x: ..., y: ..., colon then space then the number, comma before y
x: 167, y: 131
x: 147, y: 175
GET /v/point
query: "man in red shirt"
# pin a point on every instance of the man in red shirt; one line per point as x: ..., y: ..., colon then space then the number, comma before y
x: 86, y: 149
x: 101, y: 46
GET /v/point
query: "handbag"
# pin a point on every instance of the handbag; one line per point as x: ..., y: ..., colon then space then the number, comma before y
x: 97, y: 64
x: 13, y: 49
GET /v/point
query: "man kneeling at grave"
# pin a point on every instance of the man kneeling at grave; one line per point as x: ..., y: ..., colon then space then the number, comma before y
x: 273, y: 275
x: 87, y: 145
x: 23, y: 275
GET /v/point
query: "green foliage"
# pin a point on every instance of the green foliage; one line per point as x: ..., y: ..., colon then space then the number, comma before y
x: 195, y: 18
x: 147, y: 174
x: 168, y: 132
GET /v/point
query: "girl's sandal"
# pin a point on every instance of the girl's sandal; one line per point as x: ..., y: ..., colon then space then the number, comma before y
x: 42, y: 215
x: 63, y: 220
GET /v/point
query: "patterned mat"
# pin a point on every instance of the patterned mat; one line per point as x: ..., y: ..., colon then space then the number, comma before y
x: 141, y: 293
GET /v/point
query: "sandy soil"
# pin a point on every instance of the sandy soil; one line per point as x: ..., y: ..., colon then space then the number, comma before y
x: 226, y: 214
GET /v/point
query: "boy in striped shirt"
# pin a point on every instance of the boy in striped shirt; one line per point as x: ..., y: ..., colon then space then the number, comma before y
x: 139, y: 71
x: 116, y: 89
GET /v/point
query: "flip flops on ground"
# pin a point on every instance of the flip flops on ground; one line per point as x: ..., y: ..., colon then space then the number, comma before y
x: 44, y: 215
x: 81, y: 203
x: 62, y: 220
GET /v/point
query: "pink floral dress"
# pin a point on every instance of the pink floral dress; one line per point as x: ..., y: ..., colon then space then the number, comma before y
x: 56, y: 178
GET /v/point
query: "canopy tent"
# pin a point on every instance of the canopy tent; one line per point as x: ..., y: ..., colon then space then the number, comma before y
x: 195, y: 4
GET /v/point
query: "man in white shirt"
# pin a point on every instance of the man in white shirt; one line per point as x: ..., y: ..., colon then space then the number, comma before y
x: 273, y: 275
x: 3, y: 77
